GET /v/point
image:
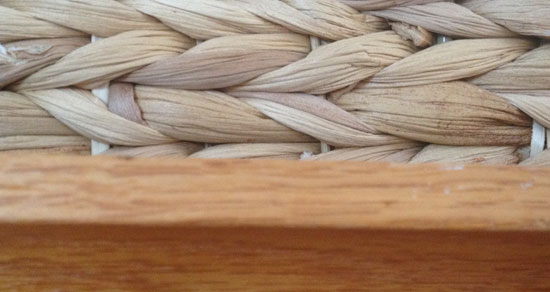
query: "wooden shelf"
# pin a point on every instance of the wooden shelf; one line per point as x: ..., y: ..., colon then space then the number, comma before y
x: 102, y: 223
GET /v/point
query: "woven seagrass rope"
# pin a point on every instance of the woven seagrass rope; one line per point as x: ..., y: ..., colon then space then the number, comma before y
x: 357, y: 80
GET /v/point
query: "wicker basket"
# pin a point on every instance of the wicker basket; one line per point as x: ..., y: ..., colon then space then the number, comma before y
x: 402, y: 81
x: 315, y: 80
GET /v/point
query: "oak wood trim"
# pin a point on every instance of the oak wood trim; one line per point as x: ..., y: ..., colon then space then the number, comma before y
x: 218, y: 193
x: 174, y: 258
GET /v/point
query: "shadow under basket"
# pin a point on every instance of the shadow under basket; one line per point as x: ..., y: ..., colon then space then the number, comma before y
x: 319, y: 145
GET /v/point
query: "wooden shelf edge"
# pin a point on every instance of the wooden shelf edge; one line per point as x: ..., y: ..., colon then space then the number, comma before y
x: 164, y: 258
x: 40, y: 189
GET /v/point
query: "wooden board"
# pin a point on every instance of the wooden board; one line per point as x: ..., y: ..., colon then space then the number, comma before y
x: 108, y: 224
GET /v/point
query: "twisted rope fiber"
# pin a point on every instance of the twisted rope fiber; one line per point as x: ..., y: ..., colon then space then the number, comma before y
x: 250, y: 76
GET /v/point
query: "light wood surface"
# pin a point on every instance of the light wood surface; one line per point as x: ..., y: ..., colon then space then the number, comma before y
x: 106, y: 190
x: 110, y: 224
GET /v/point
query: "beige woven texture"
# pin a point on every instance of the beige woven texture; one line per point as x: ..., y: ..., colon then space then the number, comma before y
x: 361, y: 80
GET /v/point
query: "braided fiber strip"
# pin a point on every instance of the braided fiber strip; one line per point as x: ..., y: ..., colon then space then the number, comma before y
x: 358, y: 80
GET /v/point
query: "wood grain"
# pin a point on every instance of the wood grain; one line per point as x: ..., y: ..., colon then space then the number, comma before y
x: 125, y: 258
x: 110, y: 224
x: 107, y: 190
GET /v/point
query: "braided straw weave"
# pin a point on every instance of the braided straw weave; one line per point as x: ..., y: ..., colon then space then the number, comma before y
x: 361, y: 80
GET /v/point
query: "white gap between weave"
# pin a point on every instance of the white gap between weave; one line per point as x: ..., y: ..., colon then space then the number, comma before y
x: 538, y: 139
x: 315, y: 43
x: 103, y: 94
x: 442, y: 39
x: 3, y: 50
x: 545, y: 42
x: 540, y: 133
